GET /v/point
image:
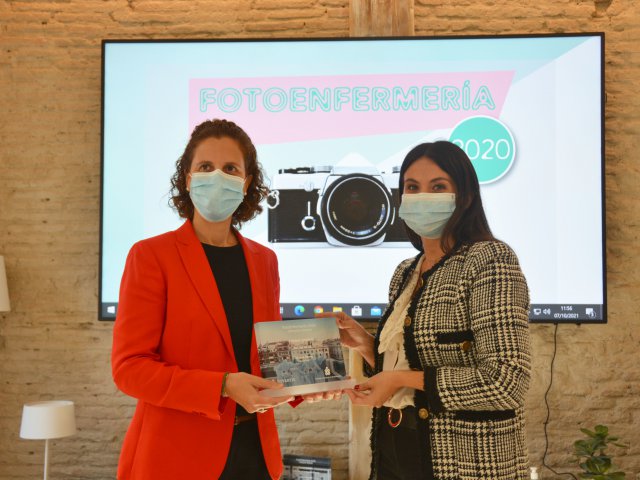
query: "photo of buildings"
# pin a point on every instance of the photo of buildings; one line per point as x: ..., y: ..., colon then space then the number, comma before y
x: 300, y: 352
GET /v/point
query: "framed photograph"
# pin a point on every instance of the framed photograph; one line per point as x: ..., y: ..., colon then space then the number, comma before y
x: 304, y: 355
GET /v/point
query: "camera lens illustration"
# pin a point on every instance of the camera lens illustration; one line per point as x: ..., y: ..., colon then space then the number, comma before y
x: 356, y: 209
x: 336, y: 206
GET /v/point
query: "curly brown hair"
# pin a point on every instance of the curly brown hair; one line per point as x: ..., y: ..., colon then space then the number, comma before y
x: 257, y: 191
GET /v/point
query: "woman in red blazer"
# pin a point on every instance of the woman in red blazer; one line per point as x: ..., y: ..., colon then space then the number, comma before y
x: 182, y: 340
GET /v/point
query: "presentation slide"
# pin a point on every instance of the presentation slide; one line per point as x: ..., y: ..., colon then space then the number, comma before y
x: 332, y: 122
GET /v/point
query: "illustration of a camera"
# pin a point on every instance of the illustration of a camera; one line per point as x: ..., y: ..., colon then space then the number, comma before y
x: 341, y: 205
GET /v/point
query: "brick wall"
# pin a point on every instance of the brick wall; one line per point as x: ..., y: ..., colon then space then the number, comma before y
x: 52, y: 346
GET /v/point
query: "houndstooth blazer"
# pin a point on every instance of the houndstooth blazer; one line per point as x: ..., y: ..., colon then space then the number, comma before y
x: 467, y: 330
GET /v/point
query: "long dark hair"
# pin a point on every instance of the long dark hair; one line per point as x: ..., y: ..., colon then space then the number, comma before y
x: 468, y: 224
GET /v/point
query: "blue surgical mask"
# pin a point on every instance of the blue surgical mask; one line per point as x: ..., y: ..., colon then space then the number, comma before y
x: 427, y: 213
x: 216, y: 195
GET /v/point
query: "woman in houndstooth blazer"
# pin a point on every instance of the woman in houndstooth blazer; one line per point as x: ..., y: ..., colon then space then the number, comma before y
x: 450, y: 362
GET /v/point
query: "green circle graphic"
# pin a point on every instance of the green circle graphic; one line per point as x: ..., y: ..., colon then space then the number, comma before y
x: 489, y: 145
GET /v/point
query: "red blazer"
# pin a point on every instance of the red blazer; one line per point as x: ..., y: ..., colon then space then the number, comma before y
x: 171, y: 346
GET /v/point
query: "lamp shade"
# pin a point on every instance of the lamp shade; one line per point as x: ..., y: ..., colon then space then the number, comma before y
x: 4, y: 290
x: 46, y: 420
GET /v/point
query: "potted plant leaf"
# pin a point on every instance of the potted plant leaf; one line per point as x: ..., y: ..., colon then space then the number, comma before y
x: 593, y: 459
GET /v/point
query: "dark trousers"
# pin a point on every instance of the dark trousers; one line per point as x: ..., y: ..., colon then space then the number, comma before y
x: 399, y: 448
x: 245, y: 459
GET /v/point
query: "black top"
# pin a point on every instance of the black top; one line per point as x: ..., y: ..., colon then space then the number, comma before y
x: 230, y: 271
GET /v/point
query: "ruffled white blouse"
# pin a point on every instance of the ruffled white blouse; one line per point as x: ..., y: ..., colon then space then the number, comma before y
x: 392, y: 340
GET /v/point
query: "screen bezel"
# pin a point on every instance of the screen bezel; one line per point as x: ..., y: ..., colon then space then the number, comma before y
x: 601, y: 35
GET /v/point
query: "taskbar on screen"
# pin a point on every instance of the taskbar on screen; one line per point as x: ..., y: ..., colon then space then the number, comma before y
x: 538, y: 313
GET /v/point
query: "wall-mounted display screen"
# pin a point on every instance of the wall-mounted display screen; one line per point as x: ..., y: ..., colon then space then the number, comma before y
x: 332, y: 121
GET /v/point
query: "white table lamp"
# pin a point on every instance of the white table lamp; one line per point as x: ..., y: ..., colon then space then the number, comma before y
x: 48, y: 420
x: 5, y: 306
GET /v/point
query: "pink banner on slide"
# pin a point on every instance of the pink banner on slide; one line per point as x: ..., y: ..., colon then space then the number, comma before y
x: 293, y: 109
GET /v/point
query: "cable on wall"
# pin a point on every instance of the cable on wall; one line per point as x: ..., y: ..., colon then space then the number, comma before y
x: 546, y: 402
